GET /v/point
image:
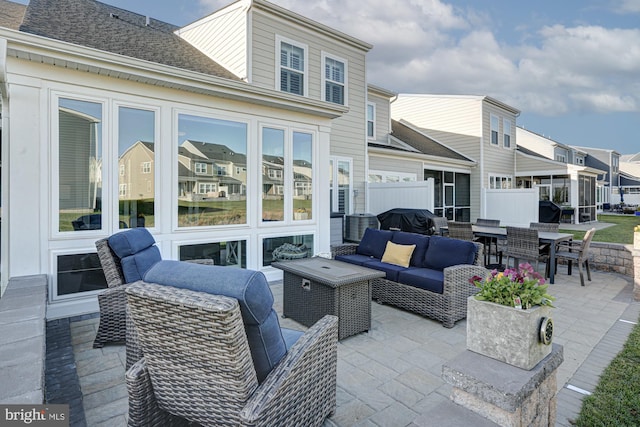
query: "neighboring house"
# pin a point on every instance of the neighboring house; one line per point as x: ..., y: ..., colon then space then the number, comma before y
x: 481, y: 128
x: 560, y: 173
x: 630, y: 178
x: 607, y: 161
x: 400, y: 152
x: 170, y: 106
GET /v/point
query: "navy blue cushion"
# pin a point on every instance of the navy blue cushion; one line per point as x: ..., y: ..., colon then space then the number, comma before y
x: 444, y: 252
x: 137, y: 252
x: 354, y: 258
x: 391, y: 270
x: 374, y: 242
x: 420, y: 240
x: 423, y: 278
x: 252, y: 291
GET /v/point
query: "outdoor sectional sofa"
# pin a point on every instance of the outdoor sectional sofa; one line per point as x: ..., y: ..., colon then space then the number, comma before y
x: 435, y: 283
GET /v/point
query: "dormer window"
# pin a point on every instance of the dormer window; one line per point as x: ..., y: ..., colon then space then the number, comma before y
x: 292, y: 66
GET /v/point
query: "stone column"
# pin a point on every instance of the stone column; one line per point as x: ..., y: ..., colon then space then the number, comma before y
x: 502, y: 393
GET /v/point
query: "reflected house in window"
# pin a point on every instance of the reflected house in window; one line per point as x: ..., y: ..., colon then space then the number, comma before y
x: 211, y: 171
x: 80, y: 165
x: 272, y: 177
x: 137, y: 168
x: 302, y: 179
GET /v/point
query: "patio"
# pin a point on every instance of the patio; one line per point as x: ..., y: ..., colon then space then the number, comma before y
x: 390, y: 376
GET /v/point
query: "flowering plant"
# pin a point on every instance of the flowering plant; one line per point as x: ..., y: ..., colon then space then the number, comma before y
x: 522, y: 286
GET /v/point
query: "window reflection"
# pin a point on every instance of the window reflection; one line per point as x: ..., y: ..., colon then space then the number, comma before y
x: 212, y: 171
x: 302, y: 175
x: 231, y: 253
x: 79, y: 165
x: 136, y: 162
x: 272, y: 174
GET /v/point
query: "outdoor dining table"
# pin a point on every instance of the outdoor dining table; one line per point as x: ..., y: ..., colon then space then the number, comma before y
x: 547, y: 237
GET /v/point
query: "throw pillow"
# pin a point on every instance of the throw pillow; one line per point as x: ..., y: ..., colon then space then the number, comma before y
x: 398, y: 254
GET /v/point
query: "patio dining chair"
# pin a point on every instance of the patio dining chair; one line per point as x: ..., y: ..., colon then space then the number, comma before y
x: 211, y: 359
x: 551, y: 227
x: 488, y: 241
x: 523, y: 244
x: 438, y: 223
x: 577, y: 252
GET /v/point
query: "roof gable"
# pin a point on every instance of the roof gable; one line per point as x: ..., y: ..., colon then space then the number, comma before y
x: 100, y: 26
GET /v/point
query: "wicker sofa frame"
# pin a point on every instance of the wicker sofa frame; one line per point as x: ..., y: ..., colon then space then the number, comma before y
x: 447, y: 307
x: 204, y: 373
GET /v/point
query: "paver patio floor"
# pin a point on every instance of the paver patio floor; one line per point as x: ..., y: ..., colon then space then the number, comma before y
x: 390, y: 376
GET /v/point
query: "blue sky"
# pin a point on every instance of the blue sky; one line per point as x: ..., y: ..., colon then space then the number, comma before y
x: 571, y: 66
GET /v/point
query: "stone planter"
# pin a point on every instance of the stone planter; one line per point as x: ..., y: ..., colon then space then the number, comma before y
x: 507, y: 334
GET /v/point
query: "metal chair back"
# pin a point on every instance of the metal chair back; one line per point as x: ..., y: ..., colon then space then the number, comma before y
x: 551, y: 227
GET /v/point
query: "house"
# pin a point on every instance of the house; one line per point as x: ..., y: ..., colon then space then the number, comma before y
x: 561, y: 174
x: 112, y: 119
x: 480, y: 128
x: 400, y: 152
x: 608, y: 161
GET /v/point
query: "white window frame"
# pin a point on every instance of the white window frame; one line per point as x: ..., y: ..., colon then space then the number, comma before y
x: 580, y: 160
x: 492, y: 129
x: 122, y: 190
x: 561, y: 158
x: 372, y: 121
x: 336, y: 186
x: 344, y: 83
x: 121, y: 169
x: 210, y: 187
x: 197, y: 168
x: 498, y: 181
x: 221, y: 170
x: 506, y: 136
x: 146, y: 167
x: 393, y: 176
x: 304, y: 71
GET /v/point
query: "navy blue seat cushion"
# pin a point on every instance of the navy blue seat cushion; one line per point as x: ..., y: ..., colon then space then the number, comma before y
x: 391, y: 270
x: 444, y: 252
x: 354, y: 258
x: 266, y: 341
x: 137, y: 252
x: 421, y: 241
x: 423, y: 278
x: 374, y: 242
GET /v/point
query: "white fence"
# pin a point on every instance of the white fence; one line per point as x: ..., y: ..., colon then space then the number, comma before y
x: 411, y: 195
x: 515, y: 207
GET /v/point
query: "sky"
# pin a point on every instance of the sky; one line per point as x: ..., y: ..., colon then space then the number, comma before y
x: 572, y: 67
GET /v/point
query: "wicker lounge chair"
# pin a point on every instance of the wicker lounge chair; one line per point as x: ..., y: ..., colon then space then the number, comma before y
x: 198, y: 365
x: 112, y: 301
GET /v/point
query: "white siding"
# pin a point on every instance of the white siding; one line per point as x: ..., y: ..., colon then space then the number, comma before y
x: 534, y: 142
x: 223, y: 38
x: 497, y: 159
x: 397, y: 164
x: 383, y: 116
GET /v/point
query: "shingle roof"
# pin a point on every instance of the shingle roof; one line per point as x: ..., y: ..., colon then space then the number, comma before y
x: 219, y: 152
x: 11, y: 14
x: 100, y: 26
x: 421, y: 142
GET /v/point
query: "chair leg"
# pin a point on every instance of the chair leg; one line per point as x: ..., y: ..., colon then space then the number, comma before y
x: 570, y: 263
x: 586, y: 263
x: 581, y: 275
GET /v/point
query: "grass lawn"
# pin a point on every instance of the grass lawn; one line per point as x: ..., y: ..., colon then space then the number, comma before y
x: 616, y: 399
x: 621, y: 232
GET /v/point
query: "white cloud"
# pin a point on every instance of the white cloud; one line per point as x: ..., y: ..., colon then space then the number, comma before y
x: 430, y: 46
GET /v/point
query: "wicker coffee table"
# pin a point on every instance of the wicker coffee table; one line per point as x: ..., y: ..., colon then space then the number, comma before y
x: 314, y: 287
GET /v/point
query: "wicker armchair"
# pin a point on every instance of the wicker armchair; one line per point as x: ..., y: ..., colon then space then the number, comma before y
x: 198, y: 366
x: 448, y: 307
x: 523, y: 243
x: 112, y: 302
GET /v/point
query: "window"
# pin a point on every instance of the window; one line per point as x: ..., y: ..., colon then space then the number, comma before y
x: 79, y: 165
x: 229, y: 253
x: 340, y: 184
x: 195, y: 138
x: 561, y: 158
x: 200, y: 167
x: 388, y: 176
x: 495, y: 129
x: 271, y: 244
x: 302, y: 175
x: 580, y: 160
x: 272, y: 167
x: 121, y: 170
x: 507, y: 133
x: 136, y: 142
x: 206, y: 187
x: 334, y: 80
x: 222, y: 170
x: 371, y: 120
x: 500, y: 182
x: 292, y: 66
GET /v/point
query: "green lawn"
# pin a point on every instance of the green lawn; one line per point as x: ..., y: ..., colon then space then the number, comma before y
x: 621, y: 232
x: 616, y: 399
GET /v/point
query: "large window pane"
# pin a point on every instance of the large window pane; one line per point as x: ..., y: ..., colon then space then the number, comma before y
x: 302, y: 175
x: 136, y: 167
x: 231, y: 253
x: 212, y: 171
x: 272, y: 174
x: 79, y: 165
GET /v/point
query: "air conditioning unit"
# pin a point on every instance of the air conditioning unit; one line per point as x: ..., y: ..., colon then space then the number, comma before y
x: 355, y: 224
